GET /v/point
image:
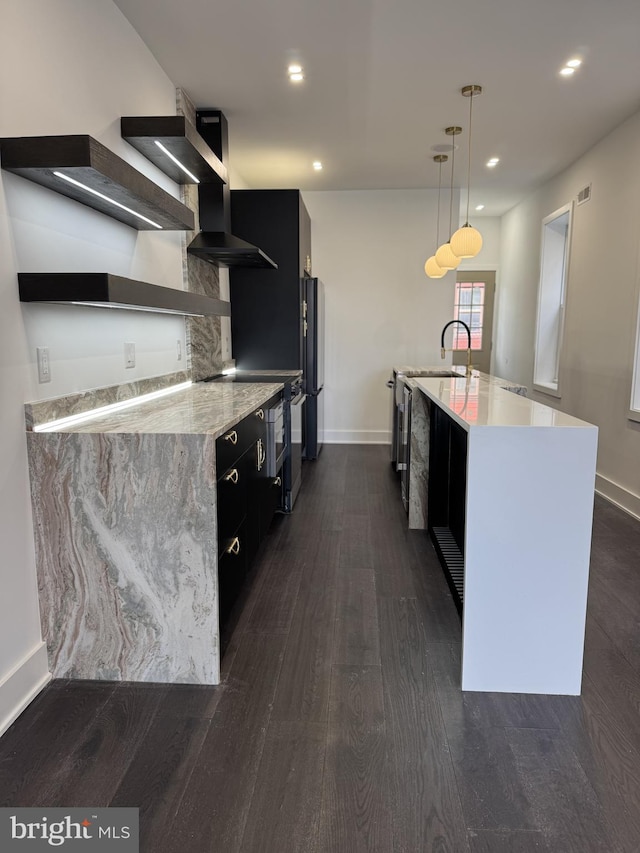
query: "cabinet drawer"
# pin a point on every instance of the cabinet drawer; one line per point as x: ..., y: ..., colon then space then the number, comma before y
x: 232, y: 499
x: 237, y: 439
x: 232, y: 570
x: 231, y: 445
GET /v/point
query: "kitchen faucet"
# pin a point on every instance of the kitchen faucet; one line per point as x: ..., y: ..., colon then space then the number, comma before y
x: 443, y: 350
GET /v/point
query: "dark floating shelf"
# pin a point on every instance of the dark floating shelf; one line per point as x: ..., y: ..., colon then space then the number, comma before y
x: 87, y: 161
x: 103, y: 290
x: 224, y: 250
x: 181, y: 139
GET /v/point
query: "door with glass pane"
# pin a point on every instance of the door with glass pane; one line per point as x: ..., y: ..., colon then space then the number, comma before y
x: 474, y: 306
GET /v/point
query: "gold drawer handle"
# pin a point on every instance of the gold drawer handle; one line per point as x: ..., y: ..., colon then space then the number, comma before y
x: 232, y: 476
x: 260, y: 414
x: 277, y: 481
x: 234, y: 547
x: 232, y: 437
x: 261, y: 455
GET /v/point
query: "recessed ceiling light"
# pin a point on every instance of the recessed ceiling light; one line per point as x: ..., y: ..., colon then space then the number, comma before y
x: 317, y: 165
x: 479, y: 206
x: 493, y: 162
x: 295, y: 72
x: 574, y: 63
x: 566, y: 71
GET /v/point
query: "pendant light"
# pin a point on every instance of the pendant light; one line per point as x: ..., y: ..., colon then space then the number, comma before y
x: 432, y: 268
x: 445, y: 256
x: 467, y: 241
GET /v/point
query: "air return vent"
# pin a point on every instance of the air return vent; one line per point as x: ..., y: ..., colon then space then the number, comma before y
x: 584, y: 194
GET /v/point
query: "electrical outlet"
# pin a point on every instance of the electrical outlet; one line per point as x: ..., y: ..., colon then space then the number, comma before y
x: 129, y: 354
x: 179, y: 349
x: 44, y: 368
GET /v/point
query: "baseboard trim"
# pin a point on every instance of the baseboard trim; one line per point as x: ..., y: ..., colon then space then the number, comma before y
x: 22, y: 684
x: 618, y: 495
x: 357, y: 436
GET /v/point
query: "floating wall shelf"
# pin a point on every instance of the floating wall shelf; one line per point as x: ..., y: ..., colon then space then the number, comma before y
x: 103, y: 290
x: 181, y: 140
x: 109, y: 184
x: 224, y: 250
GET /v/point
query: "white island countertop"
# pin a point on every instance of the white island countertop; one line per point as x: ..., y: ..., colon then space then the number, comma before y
x: 480, y: 402
x: 523, y: 477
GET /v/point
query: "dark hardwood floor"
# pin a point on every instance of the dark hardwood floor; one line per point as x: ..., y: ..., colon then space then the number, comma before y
x: 340, y: 725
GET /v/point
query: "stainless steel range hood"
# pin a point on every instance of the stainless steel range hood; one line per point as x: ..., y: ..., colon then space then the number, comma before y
x: 215, y: 243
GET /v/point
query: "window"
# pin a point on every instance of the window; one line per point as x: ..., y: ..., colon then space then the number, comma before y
x: 554, y: 259
x: 634, y: 408
x: 469, y: 307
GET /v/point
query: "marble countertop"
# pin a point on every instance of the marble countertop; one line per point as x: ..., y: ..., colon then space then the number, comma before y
x: 480, y: 402
x: 203, y: 408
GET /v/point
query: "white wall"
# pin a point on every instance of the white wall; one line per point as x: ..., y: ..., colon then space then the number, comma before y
x: 66, y: 66
x: 369, y: 248
x: 597, y: 355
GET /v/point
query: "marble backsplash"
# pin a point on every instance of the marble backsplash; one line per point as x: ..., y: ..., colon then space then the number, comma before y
x: 43, y: 411
x: 204, y: 334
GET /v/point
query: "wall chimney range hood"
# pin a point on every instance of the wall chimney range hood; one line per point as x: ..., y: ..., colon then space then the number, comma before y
x: 215, y: 243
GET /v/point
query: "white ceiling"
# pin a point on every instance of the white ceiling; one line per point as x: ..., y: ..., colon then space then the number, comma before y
x: 383, y: 80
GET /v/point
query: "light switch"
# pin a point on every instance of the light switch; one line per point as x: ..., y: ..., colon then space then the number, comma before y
x: 44, y: 368
x: 129, y: 354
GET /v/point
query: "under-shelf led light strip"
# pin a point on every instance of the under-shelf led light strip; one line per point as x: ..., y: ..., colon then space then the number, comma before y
x: 106, y: 198
x: 176, y: 161
x: 72, y: 420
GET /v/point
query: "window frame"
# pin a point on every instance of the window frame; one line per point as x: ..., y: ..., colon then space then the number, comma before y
x: 634, y: 400
x: 458, y: 335
x: 552, y: 387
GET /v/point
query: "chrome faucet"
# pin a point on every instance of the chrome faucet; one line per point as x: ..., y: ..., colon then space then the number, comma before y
x: 443, y: 350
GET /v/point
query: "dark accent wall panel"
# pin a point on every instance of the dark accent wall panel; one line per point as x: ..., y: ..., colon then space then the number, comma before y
x: 266, y: 305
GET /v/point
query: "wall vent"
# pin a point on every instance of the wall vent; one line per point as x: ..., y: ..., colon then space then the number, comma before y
x: 584, y: 194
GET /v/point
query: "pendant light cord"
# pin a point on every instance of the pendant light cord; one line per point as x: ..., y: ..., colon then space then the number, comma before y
x: 453, y: 158
x: 438, y: 219
x: 469, y: 169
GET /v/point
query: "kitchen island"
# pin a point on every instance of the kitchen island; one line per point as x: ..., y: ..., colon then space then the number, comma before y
x: 415, y: 426
x: 125, y: 518
x: 510, y: 500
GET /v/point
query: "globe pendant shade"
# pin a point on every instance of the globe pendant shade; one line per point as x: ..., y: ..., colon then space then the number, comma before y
x: 466, y: 242
x: 445, y: 257
x: 432, y: 269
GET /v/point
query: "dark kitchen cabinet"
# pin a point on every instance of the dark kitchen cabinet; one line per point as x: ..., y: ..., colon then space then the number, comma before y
x: 247, y: 499
x: 266, y: 305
